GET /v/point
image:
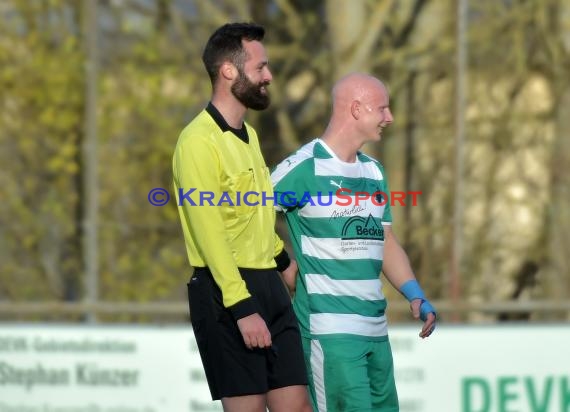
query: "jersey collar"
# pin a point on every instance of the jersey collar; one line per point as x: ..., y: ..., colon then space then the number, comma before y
x: 224, y: 126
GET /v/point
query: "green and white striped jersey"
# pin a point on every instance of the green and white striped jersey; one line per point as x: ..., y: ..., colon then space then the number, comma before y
x: 338, y: 240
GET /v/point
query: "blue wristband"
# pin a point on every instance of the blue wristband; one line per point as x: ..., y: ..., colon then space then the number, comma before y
x: 426, y: 308
x: 412, y: 290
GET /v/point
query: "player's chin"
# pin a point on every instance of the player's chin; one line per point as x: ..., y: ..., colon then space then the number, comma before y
x: 377, y: 137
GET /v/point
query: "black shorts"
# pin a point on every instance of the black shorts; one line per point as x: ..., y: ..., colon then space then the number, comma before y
x: 232, y: 369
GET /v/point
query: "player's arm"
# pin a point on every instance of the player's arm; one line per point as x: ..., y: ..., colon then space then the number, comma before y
x: 285, y: 265
x: 398, y: 271
x: 285, y: 199
x: 290, y: 276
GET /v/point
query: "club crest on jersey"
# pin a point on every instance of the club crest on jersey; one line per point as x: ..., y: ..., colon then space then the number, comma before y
x: 358, y: 227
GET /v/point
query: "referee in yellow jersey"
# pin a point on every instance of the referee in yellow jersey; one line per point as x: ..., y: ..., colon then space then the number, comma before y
x: 241, y: 313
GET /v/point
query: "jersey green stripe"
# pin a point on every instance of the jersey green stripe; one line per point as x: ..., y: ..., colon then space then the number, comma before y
x: 357, y: 269
x: 323, y: 227
x: 347, y: 304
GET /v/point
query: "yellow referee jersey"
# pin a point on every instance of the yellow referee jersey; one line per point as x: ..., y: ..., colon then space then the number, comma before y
x: 214, y: 166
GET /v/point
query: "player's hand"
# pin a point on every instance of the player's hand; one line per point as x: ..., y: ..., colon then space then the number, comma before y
x: 429, y: 323
x: 254, y: 331
x: 290, y: 275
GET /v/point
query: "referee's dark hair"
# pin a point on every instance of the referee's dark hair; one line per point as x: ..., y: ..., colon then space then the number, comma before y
x: 225, y: 44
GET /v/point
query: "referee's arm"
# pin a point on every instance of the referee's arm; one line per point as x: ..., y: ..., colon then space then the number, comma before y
x: 197, y: 166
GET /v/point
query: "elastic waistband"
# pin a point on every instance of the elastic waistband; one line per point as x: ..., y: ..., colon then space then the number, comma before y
x: 206, y: 269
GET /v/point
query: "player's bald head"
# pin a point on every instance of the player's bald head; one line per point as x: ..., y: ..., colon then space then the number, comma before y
x: 360, y: 111
x: 355, y: 86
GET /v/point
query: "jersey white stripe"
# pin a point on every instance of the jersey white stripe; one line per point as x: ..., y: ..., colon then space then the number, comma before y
x: 369, y: 289
x: 318, y: 372
x: 328, y: 323
x: 333, y: 167
x: 291, y: 162
x: 335, y: 248
x: 365, y: 208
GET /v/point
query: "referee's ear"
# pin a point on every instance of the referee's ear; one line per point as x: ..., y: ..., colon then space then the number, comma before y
x: 228, y: 71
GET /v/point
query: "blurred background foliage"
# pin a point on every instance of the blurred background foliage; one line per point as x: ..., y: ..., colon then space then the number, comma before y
x: 515, y: 224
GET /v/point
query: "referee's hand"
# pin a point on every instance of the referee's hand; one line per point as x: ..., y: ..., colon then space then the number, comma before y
x: 254, y: 331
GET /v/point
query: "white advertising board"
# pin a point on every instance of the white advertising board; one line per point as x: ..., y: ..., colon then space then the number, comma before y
x: 523, y: 368
x: 100, y: 369
x: 74, y: 368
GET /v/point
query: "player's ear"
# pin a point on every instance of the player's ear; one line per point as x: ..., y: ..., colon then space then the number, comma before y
x: 355, y: 109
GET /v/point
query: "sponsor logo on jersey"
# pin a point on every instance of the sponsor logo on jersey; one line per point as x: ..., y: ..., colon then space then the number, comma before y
x: 358, y: 227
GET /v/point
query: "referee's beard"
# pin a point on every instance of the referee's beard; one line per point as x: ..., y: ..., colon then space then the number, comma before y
x: 253, y: 96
